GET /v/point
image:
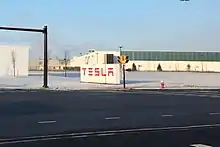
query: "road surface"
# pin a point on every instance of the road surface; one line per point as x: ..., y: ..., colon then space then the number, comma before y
x: 83, y: 117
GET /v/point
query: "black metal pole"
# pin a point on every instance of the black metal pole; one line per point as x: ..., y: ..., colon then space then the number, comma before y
x: 44, y: 31
x: 45, y: 85
x: 65, y: 63
x: 124, y: 76
x: 120, y: 49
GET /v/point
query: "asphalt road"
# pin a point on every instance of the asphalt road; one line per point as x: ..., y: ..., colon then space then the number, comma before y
x: 180, y: 138
x: 119, y: 118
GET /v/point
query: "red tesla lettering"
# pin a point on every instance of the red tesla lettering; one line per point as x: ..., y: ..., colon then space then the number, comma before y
x: 97, y: 72
x: 102, y: 72
x: 90, y: 72
x: 84, y: 71
x: 110, y: 71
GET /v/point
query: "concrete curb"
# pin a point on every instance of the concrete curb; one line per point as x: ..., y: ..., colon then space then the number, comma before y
x: 110, y: 90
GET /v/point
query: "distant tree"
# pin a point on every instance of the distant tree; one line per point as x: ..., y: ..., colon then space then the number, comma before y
x: 13, y: 61
x: 139, y: 66
x: 188, y: 67
x: 134, y: 67
x: 159, y: 68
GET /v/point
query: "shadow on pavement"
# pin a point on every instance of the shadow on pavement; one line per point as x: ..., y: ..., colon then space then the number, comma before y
x: 138, y: 81
x: 60, y: 74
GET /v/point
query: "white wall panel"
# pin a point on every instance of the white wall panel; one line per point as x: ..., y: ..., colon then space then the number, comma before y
x: 21, y: 54
x: 100, y: 73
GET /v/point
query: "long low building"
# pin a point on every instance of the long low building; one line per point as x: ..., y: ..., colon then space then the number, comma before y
x: 151, y: 60
x: 174, y: 61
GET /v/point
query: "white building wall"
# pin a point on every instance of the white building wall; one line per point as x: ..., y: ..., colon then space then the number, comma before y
x: 97, y: 57
x: 21, y: 54
x: 176, y: 65
x: 4, y: 64
x: 77, y: 61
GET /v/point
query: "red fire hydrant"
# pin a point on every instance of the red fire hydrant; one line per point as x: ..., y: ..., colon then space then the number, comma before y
x: 162, y: 85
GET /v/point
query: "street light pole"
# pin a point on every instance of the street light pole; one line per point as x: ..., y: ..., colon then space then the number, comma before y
x: 45, y: 85
x: 121, y: 67
x: 65, y: 63
x: 120, y: 49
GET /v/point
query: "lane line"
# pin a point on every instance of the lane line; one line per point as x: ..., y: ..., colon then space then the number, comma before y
x: 214, y: 113
x: 215, y: 96
x: 167, y: 115
x: 97, y: 133
x: 46, y: 122
x: 79, y: 136
x: 200, y: 145
x: 110, y: 118
x: 106, y: 134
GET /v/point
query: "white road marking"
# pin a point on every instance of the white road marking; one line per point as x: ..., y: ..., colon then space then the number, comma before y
x: 46, y: 122
x: 106, y: 134
x: 215, y: 96
x: 184, y: 129
x: 200, y: 145
x: 110, y: 118
x: 79, y: 136
x: 97, y: 133
x: 167, y: 115
x: 29, y: 140
x: 215, y: 113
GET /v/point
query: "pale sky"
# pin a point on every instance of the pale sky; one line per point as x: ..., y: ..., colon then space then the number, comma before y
x: 77, y: 25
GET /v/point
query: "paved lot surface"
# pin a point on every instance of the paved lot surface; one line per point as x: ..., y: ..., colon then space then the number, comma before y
x: 56, y: 80
x: 153, y: 118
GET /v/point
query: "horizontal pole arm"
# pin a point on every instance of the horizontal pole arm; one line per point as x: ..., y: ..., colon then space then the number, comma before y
x: 22, y: 29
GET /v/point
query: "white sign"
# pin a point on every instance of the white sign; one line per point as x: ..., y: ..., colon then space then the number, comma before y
x: 100, y: 73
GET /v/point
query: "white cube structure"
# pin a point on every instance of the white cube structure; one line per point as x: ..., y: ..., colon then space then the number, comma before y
x: 14, y: 60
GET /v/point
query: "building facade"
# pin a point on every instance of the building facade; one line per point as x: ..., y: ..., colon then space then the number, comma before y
x: 54, y: 64
x: 93, y: 57
x: 150, y: 60
x: 174, y: 61
x: 172, y: 56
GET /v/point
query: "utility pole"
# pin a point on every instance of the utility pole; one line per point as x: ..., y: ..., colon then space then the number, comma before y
x: 120, y: 53
x: 123, y: 76
x: 45, y: 85
x: 65, y: 63
x: 120, y: 49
